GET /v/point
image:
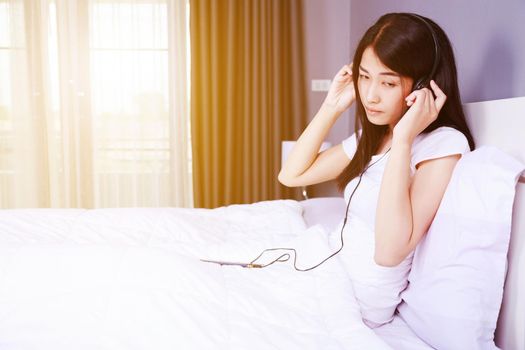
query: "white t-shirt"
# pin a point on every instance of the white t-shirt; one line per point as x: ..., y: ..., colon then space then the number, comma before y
x: 378, y: 288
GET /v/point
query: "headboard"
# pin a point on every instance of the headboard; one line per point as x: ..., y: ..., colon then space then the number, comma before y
x: 501, y: 123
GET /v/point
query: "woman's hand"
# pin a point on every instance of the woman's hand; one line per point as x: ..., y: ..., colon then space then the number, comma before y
x: 341, y: 94
x: 423, y: 110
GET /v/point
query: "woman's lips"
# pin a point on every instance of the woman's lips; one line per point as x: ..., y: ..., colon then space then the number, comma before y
x: 373, y: 111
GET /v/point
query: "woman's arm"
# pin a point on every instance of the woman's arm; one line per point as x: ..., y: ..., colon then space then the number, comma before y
x: 304, y: 165
x: 406, y: 209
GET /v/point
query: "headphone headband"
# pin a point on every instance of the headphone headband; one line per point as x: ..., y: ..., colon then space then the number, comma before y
x: 424, y: 81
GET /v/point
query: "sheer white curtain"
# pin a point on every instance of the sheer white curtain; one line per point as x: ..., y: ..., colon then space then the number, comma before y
x: 94, y: 103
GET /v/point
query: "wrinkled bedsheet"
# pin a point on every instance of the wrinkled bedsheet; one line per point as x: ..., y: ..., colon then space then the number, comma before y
x: 132, y: 279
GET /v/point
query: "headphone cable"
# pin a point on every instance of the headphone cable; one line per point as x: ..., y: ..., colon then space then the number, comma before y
x: 286, y: 256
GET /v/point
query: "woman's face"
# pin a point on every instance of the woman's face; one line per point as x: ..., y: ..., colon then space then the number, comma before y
x: 382, y: 90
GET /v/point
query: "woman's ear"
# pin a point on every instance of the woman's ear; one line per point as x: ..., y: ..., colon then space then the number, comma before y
x: 406, y: 86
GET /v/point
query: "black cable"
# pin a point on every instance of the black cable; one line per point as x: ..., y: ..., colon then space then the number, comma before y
x: 287, y: 256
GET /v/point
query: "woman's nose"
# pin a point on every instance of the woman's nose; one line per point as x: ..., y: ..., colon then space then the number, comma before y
x: 372, y: 95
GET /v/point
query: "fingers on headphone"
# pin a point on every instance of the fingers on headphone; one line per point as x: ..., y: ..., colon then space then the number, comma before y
x: 441, y: 98
x: 413, y: 96
x: 423, y: 95
x: 347, y: 69
x: 343, y: 72
x: 437, y: 90
x: 410, y: 99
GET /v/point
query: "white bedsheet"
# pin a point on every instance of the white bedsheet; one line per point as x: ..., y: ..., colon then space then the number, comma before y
x: 398, y: 335
x: 131, y: 279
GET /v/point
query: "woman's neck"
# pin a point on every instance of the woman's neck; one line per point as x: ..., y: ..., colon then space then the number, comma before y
x: 385, y: 143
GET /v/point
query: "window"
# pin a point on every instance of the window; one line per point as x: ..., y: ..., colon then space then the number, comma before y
x: 91, y: 105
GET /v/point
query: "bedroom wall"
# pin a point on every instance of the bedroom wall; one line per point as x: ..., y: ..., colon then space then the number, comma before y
x: 487, y: 36
x: 327, y: 49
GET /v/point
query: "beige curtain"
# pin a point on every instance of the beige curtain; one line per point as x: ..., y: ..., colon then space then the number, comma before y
x: 94, y: 109
x: 248, y: 95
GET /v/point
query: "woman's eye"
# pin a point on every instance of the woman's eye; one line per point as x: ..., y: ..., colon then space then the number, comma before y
x: 362, y: 76
x: 389, y: 84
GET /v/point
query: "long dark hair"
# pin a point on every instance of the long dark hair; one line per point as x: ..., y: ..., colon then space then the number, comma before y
x: 404, y: 44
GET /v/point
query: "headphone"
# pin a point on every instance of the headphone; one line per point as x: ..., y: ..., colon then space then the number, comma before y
x: 424, y: 81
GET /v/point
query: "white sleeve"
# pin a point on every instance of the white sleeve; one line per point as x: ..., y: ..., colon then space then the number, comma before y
x: 442, y: 142
x: 350, y: 146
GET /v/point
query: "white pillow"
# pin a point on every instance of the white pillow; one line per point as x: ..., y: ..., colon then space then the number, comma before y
x: 458, y: 271
x: 327, y: 212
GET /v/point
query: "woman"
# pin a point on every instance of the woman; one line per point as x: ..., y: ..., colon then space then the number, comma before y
x: 410, y: 140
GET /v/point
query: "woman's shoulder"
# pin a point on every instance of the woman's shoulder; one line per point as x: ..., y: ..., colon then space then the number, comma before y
x: 350, y: 144
x: 440, y: 142
x: 440, y: 135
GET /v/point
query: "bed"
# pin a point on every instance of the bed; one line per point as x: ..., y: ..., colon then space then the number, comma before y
x: 131, y: 278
